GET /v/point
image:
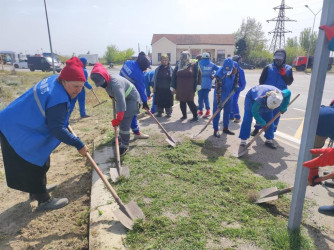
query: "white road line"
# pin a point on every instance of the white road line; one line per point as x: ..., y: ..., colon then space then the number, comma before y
x: 299, y: 109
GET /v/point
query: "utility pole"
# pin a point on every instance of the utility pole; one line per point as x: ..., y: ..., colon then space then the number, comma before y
x: 47, y: 21
x: 278, y: 40
x: 310, y: 43
x: 315, y: 92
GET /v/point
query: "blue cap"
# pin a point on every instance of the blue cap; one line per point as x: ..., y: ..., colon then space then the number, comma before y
x: 228, y: 66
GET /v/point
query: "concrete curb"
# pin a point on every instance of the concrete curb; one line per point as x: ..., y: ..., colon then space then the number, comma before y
x: 105, y: 231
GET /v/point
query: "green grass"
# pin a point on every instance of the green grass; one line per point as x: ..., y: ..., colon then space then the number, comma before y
x: 191, y: 196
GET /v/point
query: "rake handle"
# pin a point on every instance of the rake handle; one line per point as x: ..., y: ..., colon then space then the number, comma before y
x: 268, y: 124
x: 159, y: 124
x: 96, y: 96
x: 118, y: 160
x: 217, y: 111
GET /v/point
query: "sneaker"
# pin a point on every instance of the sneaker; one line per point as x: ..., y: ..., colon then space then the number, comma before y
x: 195, y: 119
x: 254, y: 132
x: 123, y: 151
x: 141, y: 136
x: 327, y: 210
x: 243, y: 143
x: 207, y: 114
x: 52, y: 203
x: 216, y: 134
x: 49, y: 188
x: 85, y: 116
x: 270, y: 144
x: 227, y: 131
x: 183, y: 118
x: 200, y: 112
x: 236, y: 120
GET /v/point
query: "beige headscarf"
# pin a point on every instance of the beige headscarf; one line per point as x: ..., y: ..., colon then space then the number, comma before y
x: 184, y: 60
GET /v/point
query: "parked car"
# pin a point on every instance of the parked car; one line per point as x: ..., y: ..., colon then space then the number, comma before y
x: 246, y: 66
x: 42, y: 63
x: 22, y: 64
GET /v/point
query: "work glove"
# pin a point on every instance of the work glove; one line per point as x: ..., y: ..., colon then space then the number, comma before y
x: 262, y: 124
x: 326, y: 158
x: 312, y: 176
x: 119, y: 118
x: 145, y: 106
x: 198, y: 87
x: 282, y: 71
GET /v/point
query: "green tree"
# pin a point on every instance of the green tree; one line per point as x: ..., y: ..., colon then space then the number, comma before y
x: 306, y: 39
x: 251, y: 32
x: 292, y: 42
x: 114, y: 55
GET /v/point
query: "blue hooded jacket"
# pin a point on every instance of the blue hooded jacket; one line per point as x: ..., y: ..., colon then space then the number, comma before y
x: 207, y: 68
x: 132, y: 72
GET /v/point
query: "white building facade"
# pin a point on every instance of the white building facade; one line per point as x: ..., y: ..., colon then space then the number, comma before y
x: 219, y: 46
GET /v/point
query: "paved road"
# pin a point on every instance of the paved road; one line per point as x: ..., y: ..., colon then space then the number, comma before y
x: 291, y: 123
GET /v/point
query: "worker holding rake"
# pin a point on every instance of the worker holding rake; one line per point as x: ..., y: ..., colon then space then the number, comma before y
x: 260, y: 102
x: 33, y: 125
x: 127, y: 101
x: 227, y: 81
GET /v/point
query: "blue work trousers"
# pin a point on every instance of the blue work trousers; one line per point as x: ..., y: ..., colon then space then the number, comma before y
x: 81, y: 101
x: 203, y: 98
x: 235, y: 107
x: 227, y: 110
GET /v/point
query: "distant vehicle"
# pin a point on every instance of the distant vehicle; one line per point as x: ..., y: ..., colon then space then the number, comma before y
x: 21, y: 64
x: 246, y: 66
x: 91, y: 58
x: 43, y: 63
x: 300, y: 63
x: 111, y: 65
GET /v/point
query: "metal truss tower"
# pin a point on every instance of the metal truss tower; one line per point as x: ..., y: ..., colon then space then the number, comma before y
x: 278, y: 40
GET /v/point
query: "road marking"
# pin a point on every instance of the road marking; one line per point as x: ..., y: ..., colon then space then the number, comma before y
x: 299, y: 109
x: 299, y: 131
x: 293, y: 118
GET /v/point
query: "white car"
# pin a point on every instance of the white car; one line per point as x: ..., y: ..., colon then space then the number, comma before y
x: 23, y: 64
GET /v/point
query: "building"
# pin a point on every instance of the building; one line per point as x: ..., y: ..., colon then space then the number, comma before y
x: 219, y: 46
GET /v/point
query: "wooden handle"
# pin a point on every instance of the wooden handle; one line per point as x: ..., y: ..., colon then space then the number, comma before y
x: 97, y: 169
x: 159, y: 124
x: 96, y: 96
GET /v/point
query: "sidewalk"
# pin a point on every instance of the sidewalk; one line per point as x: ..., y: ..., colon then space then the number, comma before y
x: 279, y: 164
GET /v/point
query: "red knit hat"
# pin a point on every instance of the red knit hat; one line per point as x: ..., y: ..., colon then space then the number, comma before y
x: 73, y: 71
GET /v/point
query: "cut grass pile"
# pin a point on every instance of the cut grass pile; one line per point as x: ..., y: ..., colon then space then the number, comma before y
x: 193, y: 198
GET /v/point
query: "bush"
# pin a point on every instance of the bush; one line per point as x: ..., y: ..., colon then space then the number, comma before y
x: 260, y: 58
x: 114, y: 55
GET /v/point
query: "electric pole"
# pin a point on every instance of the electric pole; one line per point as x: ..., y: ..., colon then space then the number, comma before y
x: 278, y: 40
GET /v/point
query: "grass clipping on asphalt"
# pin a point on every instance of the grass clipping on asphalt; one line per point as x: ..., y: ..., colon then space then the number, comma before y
x: 194, y: 198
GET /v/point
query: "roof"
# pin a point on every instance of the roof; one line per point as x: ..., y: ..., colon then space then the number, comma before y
x: 180, y: 39
x: 6, y: 52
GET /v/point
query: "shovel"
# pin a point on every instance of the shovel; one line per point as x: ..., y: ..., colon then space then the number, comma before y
x: 169, y: 139
x: 272, y: 193
x: 125, y: 213
x: 97, y: 99
x: 115, y: 173
x: 214, y: 115
x: 243, y: 149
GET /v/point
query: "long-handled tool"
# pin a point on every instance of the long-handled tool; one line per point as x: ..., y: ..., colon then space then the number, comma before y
x: 169, y: 139
x: 271, y: 194
x: 115, y: 173
x: 125, y: 213
x: 97, y: 99
x: 243, y: 149
x: 215, y: 113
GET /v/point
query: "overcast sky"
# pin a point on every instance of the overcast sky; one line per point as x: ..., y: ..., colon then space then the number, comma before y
x: 91, y: 25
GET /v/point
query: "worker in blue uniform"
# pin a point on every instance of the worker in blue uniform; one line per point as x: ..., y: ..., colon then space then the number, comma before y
x: 208, y: 68
x: 260, y: 101
x: 133, y: 70
x: 235, y: 114
x: 35, y: 124
x: 277, y: 74
x: 225, y: 84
